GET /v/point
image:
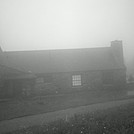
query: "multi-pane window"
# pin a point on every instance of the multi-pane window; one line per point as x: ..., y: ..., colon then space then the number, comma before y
x: 76, y: 80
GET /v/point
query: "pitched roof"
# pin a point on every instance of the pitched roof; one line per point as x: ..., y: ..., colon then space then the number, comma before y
x: 8, y: 71
x: 64, y: 60
x: 11, y: 73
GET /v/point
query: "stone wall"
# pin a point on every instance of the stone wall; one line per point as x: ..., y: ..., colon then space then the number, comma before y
x: 62, y: 82
x: 120, y: 81
x: 91, y: 81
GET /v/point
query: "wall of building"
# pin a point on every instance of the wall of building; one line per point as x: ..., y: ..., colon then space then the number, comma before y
x: 62, y: 82
x: 120, y: 80
x: 15, y: 88
x: 91, y: 81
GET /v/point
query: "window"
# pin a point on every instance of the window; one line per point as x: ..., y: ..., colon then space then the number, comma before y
x: 76, y: 80
x: 108, y: 78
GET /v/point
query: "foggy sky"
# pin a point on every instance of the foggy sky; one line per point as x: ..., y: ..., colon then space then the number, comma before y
x: 57, y: 24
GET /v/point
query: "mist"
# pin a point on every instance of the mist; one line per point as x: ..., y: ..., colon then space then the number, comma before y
x: 60, y: 24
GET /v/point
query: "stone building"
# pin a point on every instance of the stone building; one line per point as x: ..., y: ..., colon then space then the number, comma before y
x: 70, y: 70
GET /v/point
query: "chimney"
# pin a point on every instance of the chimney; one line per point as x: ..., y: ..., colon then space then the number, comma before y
x: 1, y: 50
x: 117, y: 51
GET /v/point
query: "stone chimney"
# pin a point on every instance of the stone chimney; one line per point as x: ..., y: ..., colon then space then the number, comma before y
x: 117, y: 51
x: 1, y: 56
x: 1, y: 50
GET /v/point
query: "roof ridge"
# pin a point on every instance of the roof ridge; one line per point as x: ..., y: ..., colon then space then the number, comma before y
x: 58, y: 49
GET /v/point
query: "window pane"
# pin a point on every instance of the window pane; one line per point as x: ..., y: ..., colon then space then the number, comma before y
x: 76, y: 80
x: 78, y: 77
x: 73, y: 83
x: 78, y: 83
x: 73, y: 77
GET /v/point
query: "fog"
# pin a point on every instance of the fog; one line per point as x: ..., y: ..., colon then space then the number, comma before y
x: 61, y: 24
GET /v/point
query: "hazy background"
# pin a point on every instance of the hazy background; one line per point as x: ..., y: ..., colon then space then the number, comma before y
x: 60, y: 24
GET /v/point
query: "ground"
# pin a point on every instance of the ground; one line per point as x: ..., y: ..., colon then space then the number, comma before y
x: 39, y: 109
x: 115, y: 117
x: 20, y: 108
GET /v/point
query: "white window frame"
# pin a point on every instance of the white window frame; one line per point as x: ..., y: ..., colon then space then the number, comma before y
x: 76, y: 80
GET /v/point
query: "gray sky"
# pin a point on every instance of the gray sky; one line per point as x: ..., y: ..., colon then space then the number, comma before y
x: 57, y: 24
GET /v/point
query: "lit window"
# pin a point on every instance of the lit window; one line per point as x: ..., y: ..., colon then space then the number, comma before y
x: 76, y: 80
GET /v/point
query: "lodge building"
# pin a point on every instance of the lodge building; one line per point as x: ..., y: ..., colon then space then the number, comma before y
x: 65, y: 70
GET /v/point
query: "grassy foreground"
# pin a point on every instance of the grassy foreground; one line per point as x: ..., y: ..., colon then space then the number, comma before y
x: 118, y: 120
x: 33, y: 106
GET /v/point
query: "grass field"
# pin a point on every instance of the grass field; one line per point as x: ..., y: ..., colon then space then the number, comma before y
x: 118, y: 120
x: 20, y: 108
